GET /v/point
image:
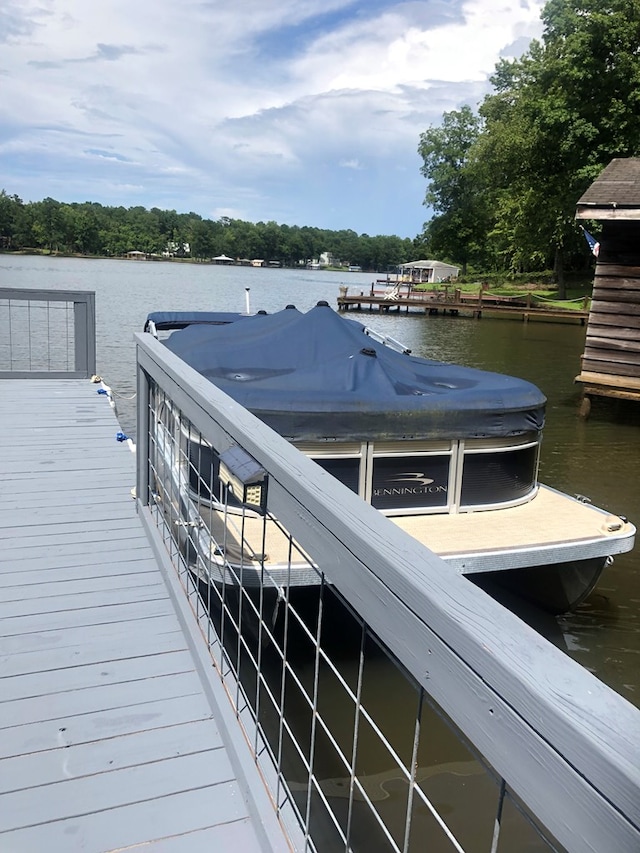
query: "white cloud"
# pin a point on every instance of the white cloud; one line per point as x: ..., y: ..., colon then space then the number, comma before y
x: 219, y: 106
x: 391, y: 50
x: 351, y: 164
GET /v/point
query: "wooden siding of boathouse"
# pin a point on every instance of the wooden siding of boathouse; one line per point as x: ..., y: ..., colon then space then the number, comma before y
x: 611, y: 360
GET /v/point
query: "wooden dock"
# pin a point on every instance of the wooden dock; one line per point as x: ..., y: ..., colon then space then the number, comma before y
x: 115, y: 731
x: 454, y: 304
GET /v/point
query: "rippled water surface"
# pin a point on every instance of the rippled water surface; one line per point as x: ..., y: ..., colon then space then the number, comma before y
x: 599, y: 458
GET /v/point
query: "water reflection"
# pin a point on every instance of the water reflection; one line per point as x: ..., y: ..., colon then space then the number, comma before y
x: 366, y: 753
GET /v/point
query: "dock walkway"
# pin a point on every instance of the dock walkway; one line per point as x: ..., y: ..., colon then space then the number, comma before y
x: 113, y: 732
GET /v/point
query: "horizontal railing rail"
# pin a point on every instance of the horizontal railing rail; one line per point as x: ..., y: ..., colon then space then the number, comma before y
x: 562, y: 745
x: 47, y: 334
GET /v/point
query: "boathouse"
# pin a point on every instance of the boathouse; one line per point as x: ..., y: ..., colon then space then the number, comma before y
x: 418, y: 272
x: 610, y: 365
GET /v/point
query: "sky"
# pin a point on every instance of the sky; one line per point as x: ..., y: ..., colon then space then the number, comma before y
x: 303, y: 112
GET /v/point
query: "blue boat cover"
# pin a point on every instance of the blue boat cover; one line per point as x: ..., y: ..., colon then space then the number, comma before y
x: 318, y: 376
x: 180, y: 319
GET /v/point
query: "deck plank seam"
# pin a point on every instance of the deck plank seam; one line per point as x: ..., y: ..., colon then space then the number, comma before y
x: 97, y: 773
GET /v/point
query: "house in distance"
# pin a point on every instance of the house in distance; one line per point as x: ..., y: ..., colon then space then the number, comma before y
x: 417, y: 272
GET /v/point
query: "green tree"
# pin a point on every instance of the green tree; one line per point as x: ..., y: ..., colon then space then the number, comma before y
x: 270, y: 239
x: 558, y: 116
x: 454, y: 191
x: 203, y: 239
x: 344, y: 245
x: 90, y: 228
x: 9, y: 211
x: 87, y: 231
x: 291, y: 245
x: 24, y: 223
x: 48, y: 225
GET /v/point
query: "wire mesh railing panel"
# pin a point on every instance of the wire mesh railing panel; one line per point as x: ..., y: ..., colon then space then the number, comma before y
x: 37, y: 335
x: 353, y: 745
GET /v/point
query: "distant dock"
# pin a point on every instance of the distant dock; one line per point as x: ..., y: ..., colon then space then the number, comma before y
x: 449, y: 301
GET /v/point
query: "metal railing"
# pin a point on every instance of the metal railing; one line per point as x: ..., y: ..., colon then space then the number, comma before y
x: 393, y: 706
x: 47, y: 334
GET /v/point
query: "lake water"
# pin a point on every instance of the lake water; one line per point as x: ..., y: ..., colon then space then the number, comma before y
x: 599, y: 457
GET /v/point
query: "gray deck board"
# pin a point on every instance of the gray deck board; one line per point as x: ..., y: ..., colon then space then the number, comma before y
x: 109, y: 738
x: 86, y: 568
x: 123, y: 572
x: 123, y: 526
x: 59, y: 534
x: 54, y: 583
x: 100, y: 725
x: 100, y: 698
x: 71, y: 599
x: 35, y: 492
x: 95, y: 793
x: 86, y: 617
x: 62, y: 461
x: 76, y: 636
x: 35, y: 684
x: 84, y: 514
x: 18, y: 549
x: 76, y: 761
x: 117, y: 828
x: 100, y: 650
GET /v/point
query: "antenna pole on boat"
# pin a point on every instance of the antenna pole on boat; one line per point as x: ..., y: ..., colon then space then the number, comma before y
x: 247, y: 301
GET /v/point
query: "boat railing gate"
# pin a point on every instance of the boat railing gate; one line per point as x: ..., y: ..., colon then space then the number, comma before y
x: 409, y: 711
x: 47, y: 334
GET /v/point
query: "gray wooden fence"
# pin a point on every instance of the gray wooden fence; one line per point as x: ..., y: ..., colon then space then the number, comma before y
x: 563, y: 742
x: 47, y: 334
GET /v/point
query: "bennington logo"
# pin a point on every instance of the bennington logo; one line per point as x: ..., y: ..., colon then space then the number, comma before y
x: 413, y: 478
x: 419, y: 484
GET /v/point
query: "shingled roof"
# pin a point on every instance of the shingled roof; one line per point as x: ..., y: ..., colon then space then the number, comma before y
x: 615, y: 194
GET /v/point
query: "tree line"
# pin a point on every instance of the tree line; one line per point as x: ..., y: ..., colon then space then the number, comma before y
x: 92, y: 229
x: 503, y: 182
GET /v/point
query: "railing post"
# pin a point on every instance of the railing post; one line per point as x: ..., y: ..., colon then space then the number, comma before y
x: 84, y: 321
x: 142, y: 436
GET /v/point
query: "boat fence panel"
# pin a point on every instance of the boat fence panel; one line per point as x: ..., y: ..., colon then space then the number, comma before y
x: 46, y: 333
x: 390, y: 704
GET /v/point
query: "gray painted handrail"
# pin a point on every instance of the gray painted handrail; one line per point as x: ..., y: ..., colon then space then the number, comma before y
x: 84, y: 318
x: 567, y: 744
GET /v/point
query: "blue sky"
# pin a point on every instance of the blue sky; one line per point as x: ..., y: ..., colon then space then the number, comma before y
x: 306, y: 112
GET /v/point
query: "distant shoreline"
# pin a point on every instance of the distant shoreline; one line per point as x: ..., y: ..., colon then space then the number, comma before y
x: 152, y: 258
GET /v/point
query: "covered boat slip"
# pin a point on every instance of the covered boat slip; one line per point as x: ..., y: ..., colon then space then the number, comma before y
x: 450, y: 453
x: 113, y: 734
